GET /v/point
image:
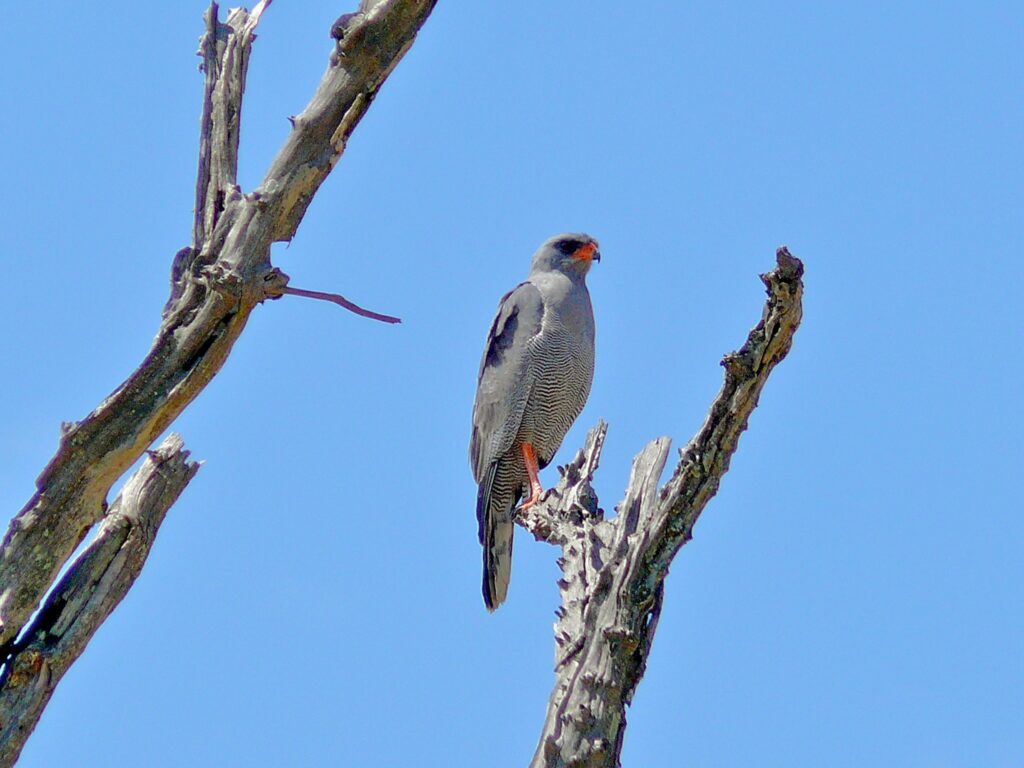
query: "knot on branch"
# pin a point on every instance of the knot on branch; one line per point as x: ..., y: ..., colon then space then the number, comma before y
x: 275, y: 283
x: 790, y: 269
x: 181, y: 268
x: 224, y: 280
x: 341, y: 29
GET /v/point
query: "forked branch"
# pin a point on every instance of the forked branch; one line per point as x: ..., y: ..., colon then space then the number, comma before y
x: 614, y: 570
x: 216, y: 284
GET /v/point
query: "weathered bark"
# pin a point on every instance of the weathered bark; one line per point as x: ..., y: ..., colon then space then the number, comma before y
x: 216, y: 283
x: 220, y: 283
x: 614, y: 570
x: 95, y: 583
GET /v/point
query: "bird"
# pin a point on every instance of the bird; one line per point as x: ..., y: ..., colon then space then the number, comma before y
x: 534, y: 379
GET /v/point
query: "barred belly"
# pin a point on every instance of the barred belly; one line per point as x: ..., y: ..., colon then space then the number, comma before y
x: 564, y: 370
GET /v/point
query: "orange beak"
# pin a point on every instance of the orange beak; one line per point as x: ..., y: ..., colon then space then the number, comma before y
x: 588, y: 252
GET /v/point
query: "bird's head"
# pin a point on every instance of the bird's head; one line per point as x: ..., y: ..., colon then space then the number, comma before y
x: 572, y: 254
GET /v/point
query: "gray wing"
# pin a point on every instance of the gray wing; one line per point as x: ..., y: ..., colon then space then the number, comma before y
x: 505, y: 378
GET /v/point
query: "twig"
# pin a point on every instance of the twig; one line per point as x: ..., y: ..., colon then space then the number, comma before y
x: 341, y: 301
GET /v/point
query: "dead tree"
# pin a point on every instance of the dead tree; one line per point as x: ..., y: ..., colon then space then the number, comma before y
x: 216, y: 283
x: 614, y: 570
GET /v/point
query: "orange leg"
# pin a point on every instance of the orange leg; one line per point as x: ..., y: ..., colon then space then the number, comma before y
x: 536, y: 489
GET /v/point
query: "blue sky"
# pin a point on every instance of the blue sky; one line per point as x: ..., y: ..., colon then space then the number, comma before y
x: 853, y: 594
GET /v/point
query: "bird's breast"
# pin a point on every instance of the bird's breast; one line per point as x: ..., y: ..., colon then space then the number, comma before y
x: 563, y: 369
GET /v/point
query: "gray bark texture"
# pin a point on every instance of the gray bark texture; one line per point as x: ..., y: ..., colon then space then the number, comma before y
x: 91, y: 588
x: 614, y: 570
x: 215, y: 284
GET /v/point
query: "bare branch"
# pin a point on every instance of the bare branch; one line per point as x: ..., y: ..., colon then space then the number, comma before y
x: 221, y: 282
x: 93, y: 586
x: 341, y: 301
x: 614, y: 570
x: 225, y: 49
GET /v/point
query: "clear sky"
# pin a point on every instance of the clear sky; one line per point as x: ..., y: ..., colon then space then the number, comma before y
x: 853, y: 594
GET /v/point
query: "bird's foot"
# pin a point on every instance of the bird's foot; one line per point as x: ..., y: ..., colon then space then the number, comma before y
x: 537, y: 492
x: 533, y: 472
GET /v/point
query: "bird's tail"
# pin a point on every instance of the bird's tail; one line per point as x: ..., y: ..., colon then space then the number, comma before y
x: 495, y: 503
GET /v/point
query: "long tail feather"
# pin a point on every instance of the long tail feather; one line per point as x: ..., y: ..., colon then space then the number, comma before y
x: 496, y: 500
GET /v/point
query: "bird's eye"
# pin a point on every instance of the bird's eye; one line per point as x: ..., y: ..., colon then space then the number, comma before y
x: 567, y: 246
